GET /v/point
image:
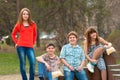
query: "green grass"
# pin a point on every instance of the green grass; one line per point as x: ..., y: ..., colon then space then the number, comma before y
x: 9, y: 63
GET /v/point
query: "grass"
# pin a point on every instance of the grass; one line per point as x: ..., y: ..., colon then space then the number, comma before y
x: 9, y: 63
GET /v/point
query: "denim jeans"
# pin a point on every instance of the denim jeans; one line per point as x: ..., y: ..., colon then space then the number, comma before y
x: 80, y: 75
x: 22, y: 53
x: 43, y: 72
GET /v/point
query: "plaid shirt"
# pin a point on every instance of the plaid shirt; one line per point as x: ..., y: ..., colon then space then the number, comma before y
x: 53, y: 62
x: 73, y: 55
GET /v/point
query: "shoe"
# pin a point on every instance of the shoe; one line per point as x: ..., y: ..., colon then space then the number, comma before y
x: 90, y: 67
x: 41, y: 78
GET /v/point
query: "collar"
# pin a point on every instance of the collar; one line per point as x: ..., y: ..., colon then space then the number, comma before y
x: 72, y: 46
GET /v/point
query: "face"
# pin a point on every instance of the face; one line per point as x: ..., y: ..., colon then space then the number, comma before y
x: 25, y: 15
x: 93, y: 35
x: 50, y: 50
x: 72, y: 39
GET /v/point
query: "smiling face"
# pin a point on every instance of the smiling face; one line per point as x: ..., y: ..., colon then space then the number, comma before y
x: 25, y: 15
x: 50, y: 49
x: 72, y: 39
x: 93, y: 35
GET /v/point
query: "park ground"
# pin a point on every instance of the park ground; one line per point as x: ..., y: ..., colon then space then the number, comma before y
x: 9, y: 63
x: 13, y: 77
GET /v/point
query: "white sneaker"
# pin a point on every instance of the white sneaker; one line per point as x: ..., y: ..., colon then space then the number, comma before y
x: 90, y: 67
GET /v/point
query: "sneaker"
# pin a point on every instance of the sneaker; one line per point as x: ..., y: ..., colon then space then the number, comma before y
x: 41, y: 78
x: 90, y: 67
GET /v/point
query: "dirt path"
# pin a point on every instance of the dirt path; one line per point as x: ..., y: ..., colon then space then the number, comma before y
x: 13, y: 77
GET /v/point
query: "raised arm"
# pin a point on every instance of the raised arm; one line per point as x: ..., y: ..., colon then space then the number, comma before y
x: 105, y: 43
x: 86, y: 50
x: 40, y: 59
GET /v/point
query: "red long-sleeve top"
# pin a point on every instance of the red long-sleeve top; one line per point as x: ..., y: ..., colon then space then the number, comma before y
x: 26, y: 35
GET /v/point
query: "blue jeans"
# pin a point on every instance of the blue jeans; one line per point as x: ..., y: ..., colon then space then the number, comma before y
x: 80, y: 75
x: 43, y: 72
x: 22, y: 53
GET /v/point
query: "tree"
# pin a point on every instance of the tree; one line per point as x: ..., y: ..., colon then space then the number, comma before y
x: 7, y: 17
x: 62, y: 16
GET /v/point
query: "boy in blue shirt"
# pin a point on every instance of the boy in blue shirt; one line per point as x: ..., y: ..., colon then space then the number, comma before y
x: 73, y: 58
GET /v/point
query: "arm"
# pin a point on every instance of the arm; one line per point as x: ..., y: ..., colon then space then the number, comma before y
x: 16, y: 29
x: 86, y: 50
x: 81, y: 65
x: 40, y: 59
x: 67, y: 65
x: 35, y: 34
x: 63, y: 58
x: 105, y: 43
x: 64, y: 62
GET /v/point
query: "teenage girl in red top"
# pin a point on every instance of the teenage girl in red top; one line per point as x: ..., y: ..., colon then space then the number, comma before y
x: 24, y: 35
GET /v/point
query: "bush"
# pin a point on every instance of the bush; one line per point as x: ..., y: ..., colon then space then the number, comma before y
x: 9, y: 41
x: 114, y: 38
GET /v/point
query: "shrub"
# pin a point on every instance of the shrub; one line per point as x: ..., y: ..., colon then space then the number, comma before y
x: 9, y: 41
x: 114, y: 38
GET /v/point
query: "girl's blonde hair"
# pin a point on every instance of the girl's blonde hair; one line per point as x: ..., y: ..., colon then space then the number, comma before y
x: 72, y: 33
x: 20, y: 18
x: 88, y: 32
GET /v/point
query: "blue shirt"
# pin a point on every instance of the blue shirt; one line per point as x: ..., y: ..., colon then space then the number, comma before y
x: 73, y: 55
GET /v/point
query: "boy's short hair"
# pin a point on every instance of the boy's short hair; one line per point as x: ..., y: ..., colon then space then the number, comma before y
x: 50, y: 44
x: 72, y: 33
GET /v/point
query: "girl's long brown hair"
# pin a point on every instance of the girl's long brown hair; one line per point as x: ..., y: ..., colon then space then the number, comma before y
x: 20, y: 18
x: 88, y: 32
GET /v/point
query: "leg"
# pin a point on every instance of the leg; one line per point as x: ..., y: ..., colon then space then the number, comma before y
x: 31, y: 58
x: 95, y: 56
x: 97, y: 53
x: 22, y: 59
x: 81, y: 75
x: 41, y: 69
x: 42, y: 72
x: 104, y: 75
x: 68, y: 75
x: 101, y: 66
x: 49, y: 75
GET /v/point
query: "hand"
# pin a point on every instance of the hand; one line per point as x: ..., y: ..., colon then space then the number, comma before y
x: 108, y: 46
x: 79, y: 68
x: 93, y: 60
x: 58, y: 61
x: 71, y: 68
x: 15, y: 45
x: 48, y: 67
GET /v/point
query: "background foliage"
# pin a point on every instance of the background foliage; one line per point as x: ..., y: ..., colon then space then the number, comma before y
x: 62, y: 16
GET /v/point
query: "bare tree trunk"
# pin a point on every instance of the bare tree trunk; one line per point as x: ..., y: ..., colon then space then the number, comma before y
x: 38, y: 39
x: 17, y: 3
